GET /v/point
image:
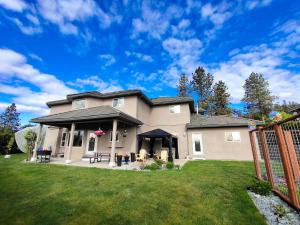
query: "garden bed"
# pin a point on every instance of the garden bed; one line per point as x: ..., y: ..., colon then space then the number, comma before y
x: 270, y: 205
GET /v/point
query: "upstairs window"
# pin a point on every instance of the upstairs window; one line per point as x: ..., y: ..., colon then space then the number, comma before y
x: 117, y: 102
x: 79, y: 104
x: 174, y: 109
x: 233, y: 136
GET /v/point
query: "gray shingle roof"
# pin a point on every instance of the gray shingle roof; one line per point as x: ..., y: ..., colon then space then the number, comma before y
x: 170, y: 100
x: 100, y: 112
x: 152, y: 102
x: 200, y: 121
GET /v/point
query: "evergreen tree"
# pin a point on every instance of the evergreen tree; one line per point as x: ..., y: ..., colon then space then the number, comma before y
x: 257, y: 97
x: 10, y: 118
x: 220, y: 99
x: 183, y: 86
x: 202, y: 84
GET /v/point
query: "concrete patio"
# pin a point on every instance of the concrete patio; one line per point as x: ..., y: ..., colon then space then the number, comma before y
x: 105, y: 164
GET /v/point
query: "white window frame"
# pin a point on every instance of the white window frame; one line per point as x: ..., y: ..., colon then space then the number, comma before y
x: 117, y: 136
x: 201, y: 143
x: 66, y: 139
x: 227, y: 133
x: 78, y: 100
x: 120, y: 102
x: 172, y: 109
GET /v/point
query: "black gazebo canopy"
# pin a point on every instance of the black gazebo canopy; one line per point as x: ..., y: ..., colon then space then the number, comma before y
x: 159, y: 133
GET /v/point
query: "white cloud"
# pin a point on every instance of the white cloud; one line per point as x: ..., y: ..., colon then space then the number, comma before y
x: 108, y: 59
x: 144, y: 57
x: 14, y: 66
x: 27, y: 29
x: 153, y: 21
x: 252, y: 4
x: 26, y: 109
x: 65, y: 14
x: 35, y: 57
x: 261, y: 59
x: 14, y: 5
x: 97, y: 83
x: 185, y: 56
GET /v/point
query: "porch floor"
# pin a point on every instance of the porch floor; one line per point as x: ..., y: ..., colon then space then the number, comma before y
x: 104, y: 165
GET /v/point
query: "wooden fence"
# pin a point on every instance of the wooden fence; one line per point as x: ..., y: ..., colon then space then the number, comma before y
x: 276, y: 154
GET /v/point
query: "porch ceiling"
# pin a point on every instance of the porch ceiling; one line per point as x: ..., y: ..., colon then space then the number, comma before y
x: 92, y: 115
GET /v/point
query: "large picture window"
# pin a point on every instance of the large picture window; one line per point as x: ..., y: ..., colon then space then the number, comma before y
x: 78, y: 137
x: 79, y: 104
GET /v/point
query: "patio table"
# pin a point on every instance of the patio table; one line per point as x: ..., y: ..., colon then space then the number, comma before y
x: 99, y: 157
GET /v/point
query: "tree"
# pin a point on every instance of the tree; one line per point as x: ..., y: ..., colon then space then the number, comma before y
x: 5, y: 136
x: 257, y: 97
x: 220, y: 99
x: 183, y: 86
x: 10, y: 118
x: 202, y: 84
x: 30, y: 138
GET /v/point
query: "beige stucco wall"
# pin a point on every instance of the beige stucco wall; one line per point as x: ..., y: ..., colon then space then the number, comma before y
x: 216, y: 147
x: 60, y: 108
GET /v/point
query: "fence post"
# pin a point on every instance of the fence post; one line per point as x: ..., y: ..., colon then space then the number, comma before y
x: 292, y: 154
x: 286, y: 166
x: 266, y: 156
x: 255, y: 156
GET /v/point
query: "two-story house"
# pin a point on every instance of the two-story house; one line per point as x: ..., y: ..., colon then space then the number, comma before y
x: 131, y: 121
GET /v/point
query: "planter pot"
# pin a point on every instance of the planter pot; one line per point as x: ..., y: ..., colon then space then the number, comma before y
x: 126, y: 158
x: 132, y: 157
x: 6, y: 156
x: 119, y: 160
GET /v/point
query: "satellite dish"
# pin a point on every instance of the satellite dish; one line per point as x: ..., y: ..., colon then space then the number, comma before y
x: 20, y: 139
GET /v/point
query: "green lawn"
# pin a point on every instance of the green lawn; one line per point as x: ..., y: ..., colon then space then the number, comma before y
x: 203, y: 192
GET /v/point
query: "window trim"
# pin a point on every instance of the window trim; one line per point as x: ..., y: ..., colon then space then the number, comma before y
x: 201, y: 144
x: 77, y: 100
x: 117, y: 136
x: 118, y: 105
x: 233, y: 141
x: 81, y: 141
x: 171, y: 106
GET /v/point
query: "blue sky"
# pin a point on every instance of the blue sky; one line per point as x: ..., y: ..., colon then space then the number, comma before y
x: 50, y: 48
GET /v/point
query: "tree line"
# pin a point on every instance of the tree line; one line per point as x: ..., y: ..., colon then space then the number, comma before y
x: 214, y: 98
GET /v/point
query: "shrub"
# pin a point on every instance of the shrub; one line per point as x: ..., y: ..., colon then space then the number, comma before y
x: 279, y: 210
x: 170, y: 165
x: 152, y: 166
x: 177, y: 167
x: 159, y: 162
x: 261, y: 187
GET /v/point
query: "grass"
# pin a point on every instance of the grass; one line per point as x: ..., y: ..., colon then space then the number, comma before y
x: 203, y: 192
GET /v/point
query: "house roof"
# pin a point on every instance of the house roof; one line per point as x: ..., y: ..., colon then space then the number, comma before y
x: 94, y: 113
x: 295, y: 109
x: 200, y: 121
x: 156, y: 133
x: 152, y: 102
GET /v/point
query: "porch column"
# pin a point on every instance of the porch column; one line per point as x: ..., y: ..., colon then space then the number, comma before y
x: 69, y: 151
x: 113, y: 143
x: 37, y: 142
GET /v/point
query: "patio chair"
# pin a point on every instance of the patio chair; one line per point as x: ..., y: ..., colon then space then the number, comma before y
x: 164, y: 155
x: 142, y: 156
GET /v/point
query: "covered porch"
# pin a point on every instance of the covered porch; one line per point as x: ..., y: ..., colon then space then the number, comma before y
x: 72, y: 134
x: 168, y: 141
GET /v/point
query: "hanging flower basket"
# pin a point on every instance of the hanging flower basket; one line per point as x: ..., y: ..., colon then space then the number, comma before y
x: 99, y: 132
